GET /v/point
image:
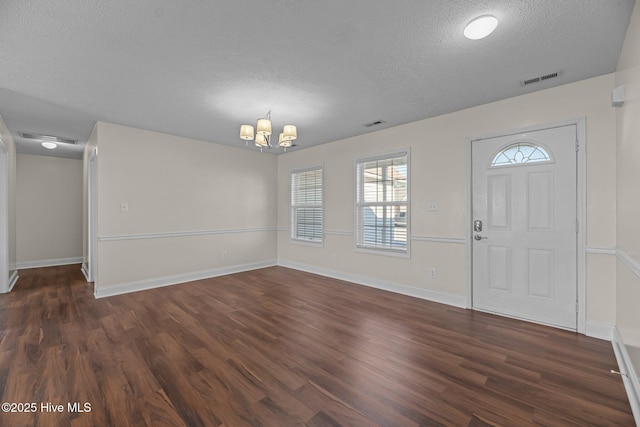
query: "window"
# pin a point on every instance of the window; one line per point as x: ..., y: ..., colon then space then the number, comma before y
x: 521, y: 152
x: 306, y: 205
x: 382, y: 192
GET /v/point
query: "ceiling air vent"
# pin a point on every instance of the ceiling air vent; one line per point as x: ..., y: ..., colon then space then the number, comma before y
x: 42, y: 138
x: 540, y: 78
x: 376, y: 123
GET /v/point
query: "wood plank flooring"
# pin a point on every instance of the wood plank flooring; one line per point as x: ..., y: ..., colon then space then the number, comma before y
x: 279, y: 347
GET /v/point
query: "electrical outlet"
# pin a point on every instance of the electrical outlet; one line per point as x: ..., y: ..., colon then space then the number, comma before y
x: 334, y: 257
x: 224, y: 254
x: 434, y: 273
x: 124, y: 207
x: 432, y: 206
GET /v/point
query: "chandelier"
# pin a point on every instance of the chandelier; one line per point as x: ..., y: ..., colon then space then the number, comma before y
x: 263, y: 134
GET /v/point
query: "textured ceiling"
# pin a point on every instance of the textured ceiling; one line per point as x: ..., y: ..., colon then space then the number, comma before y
x: 201, y: 68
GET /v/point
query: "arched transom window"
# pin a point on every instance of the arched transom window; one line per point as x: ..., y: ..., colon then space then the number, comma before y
x: 521, y: 152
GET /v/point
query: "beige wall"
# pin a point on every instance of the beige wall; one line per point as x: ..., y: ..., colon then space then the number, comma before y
x: 48, y: 210
x: 439, y: 174
x: 194, y: 206
x: 628, y: 191
x: 6, y: 137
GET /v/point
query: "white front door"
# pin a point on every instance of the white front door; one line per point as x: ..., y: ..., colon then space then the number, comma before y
x: 524, y: 253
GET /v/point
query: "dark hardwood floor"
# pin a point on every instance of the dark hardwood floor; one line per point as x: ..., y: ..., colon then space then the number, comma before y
x: 279, y: 347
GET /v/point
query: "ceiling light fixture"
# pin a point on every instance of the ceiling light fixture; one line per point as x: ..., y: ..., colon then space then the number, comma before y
x: 480, y: 27
x: 50, y: 138
x: 263, y: 134
x: 49, y: 145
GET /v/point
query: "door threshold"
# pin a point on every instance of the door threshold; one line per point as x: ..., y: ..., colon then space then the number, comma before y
x: 524, y: 319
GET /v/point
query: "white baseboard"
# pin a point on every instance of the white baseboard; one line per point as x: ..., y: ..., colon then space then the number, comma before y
x: 600, y: 330
x: 48, y: 263
x: 158, y: 282
x: 629, y: 375
x: 13, y: 279
x: 426, y: 294
x: 85, y: 271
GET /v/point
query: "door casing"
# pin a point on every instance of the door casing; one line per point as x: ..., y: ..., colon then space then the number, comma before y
x: 580, y: 124
x: 92, y: 244
x: 4, y: 219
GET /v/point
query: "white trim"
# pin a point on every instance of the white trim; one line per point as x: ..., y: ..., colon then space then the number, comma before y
x: 313, y: 206
x: 511, y: 315
x: 356, y: 202
x: 633, y: 265
x: 581, y: 213
x: 581, y: 179
x: 158, y: 282
x: 13, y: 280
x: 534, y: 128
x: 119, y: 237
x: 385, y: 155
x: 385, y: 252
x: 629, y: 375
x: 454, y: 240
x: 307, y: 169
x: 85, y: 271
x: 426, y: 294
x: 311, y: 243
x: 468, y: 217
x: 600, y: 251
x: 338, y: 233
x: 92, y: 214
x: 325, y: 232
x: 600, y: 330
x: 5, y: 271
x: 48, y: 263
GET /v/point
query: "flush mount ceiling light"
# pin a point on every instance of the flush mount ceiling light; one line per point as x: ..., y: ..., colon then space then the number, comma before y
x: 480, y: 27
x: 47, y: 141
x: 263, y: 134
x: 49, y: 145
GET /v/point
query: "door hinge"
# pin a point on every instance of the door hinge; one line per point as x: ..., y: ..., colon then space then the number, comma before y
x: 577, y: 306
x: 577, y: 226
x: 577, y: 145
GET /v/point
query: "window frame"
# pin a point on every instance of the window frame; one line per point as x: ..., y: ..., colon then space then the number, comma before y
x: 528, y: 142
x: 359, y: 190
x: 293, y: 238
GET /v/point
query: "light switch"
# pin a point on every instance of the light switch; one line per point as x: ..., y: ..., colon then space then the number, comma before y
x: 432, y: 206
x: 124, y: 207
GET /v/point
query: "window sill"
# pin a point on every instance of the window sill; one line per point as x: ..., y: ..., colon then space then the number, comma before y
x: 307, y: 243
x: 383, y: 252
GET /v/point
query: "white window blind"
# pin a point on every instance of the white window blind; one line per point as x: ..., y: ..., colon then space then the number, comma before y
x: 382, y: 215
x: 306, y: 205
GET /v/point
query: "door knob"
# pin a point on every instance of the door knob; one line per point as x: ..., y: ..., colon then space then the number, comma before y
x: 479, y: 237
